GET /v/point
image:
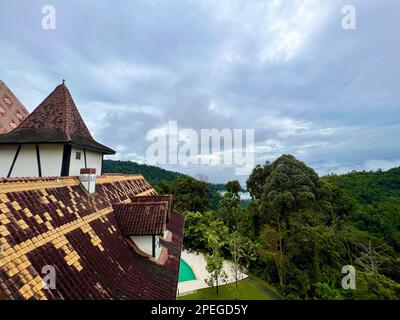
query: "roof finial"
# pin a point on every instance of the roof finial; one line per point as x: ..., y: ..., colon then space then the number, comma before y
x: 63, y: 81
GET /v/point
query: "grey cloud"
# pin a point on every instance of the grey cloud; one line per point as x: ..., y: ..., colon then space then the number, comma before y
x: 329, y: 96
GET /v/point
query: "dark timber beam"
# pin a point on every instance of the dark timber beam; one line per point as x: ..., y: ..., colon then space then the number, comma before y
x: 154, y: 246
x: 14, y: 160
x: 66, y: 160
x: 38, y: 161
x: 84, y: 155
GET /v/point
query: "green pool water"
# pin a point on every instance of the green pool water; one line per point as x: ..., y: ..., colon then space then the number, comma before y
x: 185, y: 272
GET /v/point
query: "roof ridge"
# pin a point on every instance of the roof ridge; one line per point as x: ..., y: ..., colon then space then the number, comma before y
x: 67, y: 114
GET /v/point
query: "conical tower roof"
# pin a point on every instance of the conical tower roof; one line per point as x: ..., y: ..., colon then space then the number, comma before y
x: 55, y: 120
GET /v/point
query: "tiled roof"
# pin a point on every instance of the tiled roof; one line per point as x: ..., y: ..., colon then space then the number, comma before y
x: 55, y: 120
x: 156, y: 198
x: 146, y: 218
x: 12, y: 112
x: 53, y: 221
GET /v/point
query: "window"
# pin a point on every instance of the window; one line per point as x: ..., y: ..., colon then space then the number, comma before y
x: 78, y: 156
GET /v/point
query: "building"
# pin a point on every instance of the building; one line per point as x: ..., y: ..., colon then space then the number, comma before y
x: 55, y: 224
x: 144, y: 222
x: 52, y: 141
x: 12, y: 112
x: 66, y: 233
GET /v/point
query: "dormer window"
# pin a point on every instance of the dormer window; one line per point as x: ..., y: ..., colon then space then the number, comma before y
x: 143, y: 223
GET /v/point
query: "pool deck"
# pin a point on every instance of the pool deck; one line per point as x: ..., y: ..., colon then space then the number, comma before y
x: 197, y: 261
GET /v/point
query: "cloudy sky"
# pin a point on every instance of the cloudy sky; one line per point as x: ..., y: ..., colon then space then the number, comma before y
x: 286, y: 69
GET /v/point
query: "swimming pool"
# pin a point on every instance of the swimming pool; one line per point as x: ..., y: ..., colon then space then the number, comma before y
x: 185, y: 272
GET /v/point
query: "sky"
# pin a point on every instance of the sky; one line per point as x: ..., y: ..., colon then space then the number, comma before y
x: 286, y: 69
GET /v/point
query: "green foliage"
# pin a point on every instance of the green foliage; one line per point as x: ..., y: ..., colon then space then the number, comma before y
x: 324, y: 291
x: 217, y: 237
x: 233, y: 187
x: 229, y: 209
x: 206, y: 195
x: 375, y: 286
x: 190, y: 194
x: 312, y: 227
x: 299, y: 230
x: 152, y: 174
x: 256, y: 181
x: 368, y: 187
x: 196, y: 225
x: 290, y: 186
x: 376, y: 196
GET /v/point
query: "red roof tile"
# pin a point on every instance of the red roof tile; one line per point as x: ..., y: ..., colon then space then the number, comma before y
x: 55, y: 222
x: 12, y: 112
x: 156, y: 198
x: 55, y: 120
x: 147, y: 218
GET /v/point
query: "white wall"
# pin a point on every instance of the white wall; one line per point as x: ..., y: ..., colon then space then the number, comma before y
x: 75, y: 165
x: 93, y: 159
x: 158, y: 247
x: 7, y: 154
x: 145, y: 243
x: 51, y: 159
x: 26, y: 164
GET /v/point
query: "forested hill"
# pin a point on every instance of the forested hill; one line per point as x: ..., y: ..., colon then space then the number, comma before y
x: 368, y: 187
x: 376, y: 196
x: 163, y: 180
x: 152, y: 174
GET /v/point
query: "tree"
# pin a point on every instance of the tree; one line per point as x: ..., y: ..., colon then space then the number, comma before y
x: 374, y: 253
x: 375, y: 286
x: 255, y: 182
x: 216, y: 239
x: 233, y: 187
x: 272, y: 248
x: 230, y: 205
x: 249, y: 251
x: 300, y: 216
x: 229, y: 210
x: 190, y: 194
x: 290, y: 186
x: 236, y: 246
x: 196, y: 225
x: 215, y: 267
x: 163, y: 187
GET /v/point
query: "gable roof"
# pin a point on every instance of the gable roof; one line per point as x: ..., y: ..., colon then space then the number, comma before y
x: 156, y: 198
x: 12, y: 112
x: 53, y: 221
x: 139, y: 219
x: 55, y: 120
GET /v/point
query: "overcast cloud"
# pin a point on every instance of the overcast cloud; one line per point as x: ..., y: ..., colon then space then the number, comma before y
x: 287, y: 69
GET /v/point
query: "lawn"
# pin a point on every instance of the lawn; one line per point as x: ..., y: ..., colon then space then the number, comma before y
x: 251, y: 288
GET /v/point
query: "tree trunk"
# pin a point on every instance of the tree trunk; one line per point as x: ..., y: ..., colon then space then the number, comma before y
x: 280, y: 268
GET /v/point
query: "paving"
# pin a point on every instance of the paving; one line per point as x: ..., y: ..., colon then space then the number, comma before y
x: 197, y: 261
